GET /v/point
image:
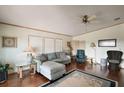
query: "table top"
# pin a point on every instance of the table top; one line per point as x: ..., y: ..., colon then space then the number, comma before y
x: 23, y: 64
x: 20, y: 64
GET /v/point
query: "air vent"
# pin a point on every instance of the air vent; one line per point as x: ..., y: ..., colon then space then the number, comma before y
x: 117, y: 18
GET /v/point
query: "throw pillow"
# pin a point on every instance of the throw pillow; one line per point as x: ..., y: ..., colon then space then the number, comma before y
x: 58, y: 54
x: 42, y: 57
x: 51, y: 56
x: 113, y: 61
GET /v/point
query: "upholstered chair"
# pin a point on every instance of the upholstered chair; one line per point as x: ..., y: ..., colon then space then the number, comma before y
x: 80, y: 56
x: 114, y: 58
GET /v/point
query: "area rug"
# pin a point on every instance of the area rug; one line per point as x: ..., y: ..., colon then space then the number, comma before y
x: 77, y: 78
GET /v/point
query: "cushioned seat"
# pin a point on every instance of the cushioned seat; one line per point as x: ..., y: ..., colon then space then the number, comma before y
x: 57, y: 60
x: 113, y: 61
x: 52, y: 70
x: 62, y: 60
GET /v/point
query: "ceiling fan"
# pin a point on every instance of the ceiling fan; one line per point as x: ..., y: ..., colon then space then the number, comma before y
x: 88, y: 19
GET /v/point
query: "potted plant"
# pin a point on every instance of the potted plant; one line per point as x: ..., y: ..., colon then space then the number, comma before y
x: 4, y: 72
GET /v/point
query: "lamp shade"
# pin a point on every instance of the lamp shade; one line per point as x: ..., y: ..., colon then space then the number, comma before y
x: 92, y: 44
x: 29, y: 49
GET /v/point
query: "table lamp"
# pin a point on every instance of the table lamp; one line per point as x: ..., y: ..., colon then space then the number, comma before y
x: 29, y: 52
x: 92, y: 45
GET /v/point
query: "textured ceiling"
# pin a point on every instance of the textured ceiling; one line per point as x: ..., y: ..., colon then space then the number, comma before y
x: 62, y: 19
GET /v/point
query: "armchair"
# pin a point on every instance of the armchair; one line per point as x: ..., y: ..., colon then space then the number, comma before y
x: 114, y: 59
x: 80, y: 56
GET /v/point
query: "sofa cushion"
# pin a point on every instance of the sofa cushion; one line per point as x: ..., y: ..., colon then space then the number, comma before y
x: 51, y: 56
x: 62, y: 54
x: 65, y: 60
x: 42, y: 57
x: 114, y: 61
x: 52, y: 67
x: 57, y: 60
x: 58, y: 54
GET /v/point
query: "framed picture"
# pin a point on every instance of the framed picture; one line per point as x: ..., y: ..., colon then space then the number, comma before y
x: 107, y: 43
x: 9, y: 42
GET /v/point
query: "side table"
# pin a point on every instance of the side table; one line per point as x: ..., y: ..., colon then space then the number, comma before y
x: 33, y: 67
x: 20, y: 68
x: 90, y: 60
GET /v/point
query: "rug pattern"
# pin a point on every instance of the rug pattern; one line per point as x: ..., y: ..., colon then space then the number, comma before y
x: 77, y: 78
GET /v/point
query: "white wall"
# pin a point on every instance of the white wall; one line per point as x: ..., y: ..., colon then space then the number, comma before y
x: 11, y: 55
x: 107, y: 33
x: 76, y: 44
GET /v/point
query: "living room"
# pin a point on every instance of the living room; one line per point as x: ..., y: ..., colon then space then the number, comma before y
x: 32, y: 33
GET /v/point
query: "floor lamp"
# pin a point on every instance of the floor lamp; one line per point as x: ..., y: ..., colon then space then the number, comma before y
x: 93, y: 45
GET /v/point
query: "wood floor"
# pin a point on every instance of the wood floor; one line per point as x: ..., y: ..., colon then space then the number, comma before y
x: 37, y: 79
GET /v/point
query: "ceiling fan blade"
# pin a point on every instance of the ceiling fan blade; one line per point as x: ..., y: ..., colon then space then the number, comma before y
x: 95, y: 22
x: 93, y: 17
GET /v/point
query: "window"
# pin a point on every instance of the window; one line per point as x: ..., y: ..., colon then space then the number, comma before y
x: 107, y: 43
x: 44, y: 44
x: 49, y: 45
x: 58, y: 45
x: 37, y: 43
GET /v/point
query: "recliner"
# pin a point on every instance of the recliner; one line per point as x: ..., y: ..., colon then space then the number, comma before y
x: 80, y: 56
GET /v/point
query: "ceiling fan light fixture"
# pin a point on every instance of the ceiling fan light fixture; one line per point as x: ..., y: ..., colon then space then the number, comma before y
x: 117, y: 18
x: 85, y: 19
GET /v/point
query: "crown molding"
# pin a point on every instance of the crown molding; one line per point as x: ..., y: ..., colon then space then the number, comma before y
x: 100, y: 29
x: 35, y: 29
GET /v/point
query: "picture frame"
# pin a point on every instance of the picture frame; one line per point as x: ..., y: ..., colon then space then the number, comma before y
x: 107, y: 43
x: 10, y: 42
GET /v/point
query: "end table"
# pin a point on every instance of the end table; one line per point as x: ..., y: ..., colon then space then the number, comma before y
x: 20, y: 68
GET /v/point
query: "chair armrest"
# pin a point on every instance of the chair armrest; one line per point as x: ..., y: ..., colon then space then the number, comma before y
x: 68, y: 57
x: 38, y: 64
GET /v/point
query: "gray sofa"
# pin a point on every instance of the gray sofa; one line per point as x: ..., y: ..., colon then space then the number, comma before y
x: 52, y: 65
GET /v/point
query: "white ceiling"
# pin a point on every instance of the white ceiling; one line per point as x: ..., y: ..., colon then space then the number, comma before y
x: 62, y: 19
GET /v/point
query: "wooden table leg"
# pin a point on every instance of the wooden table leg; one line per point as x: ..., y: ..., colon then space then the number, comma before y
x: 17, y: 70
x: 34, y: 69
x: 33, y: 66
x: 20, y: 71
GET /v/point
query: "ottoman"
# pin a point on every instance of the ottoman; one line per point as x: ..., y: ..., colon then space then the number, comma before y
x: 52, y: 70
